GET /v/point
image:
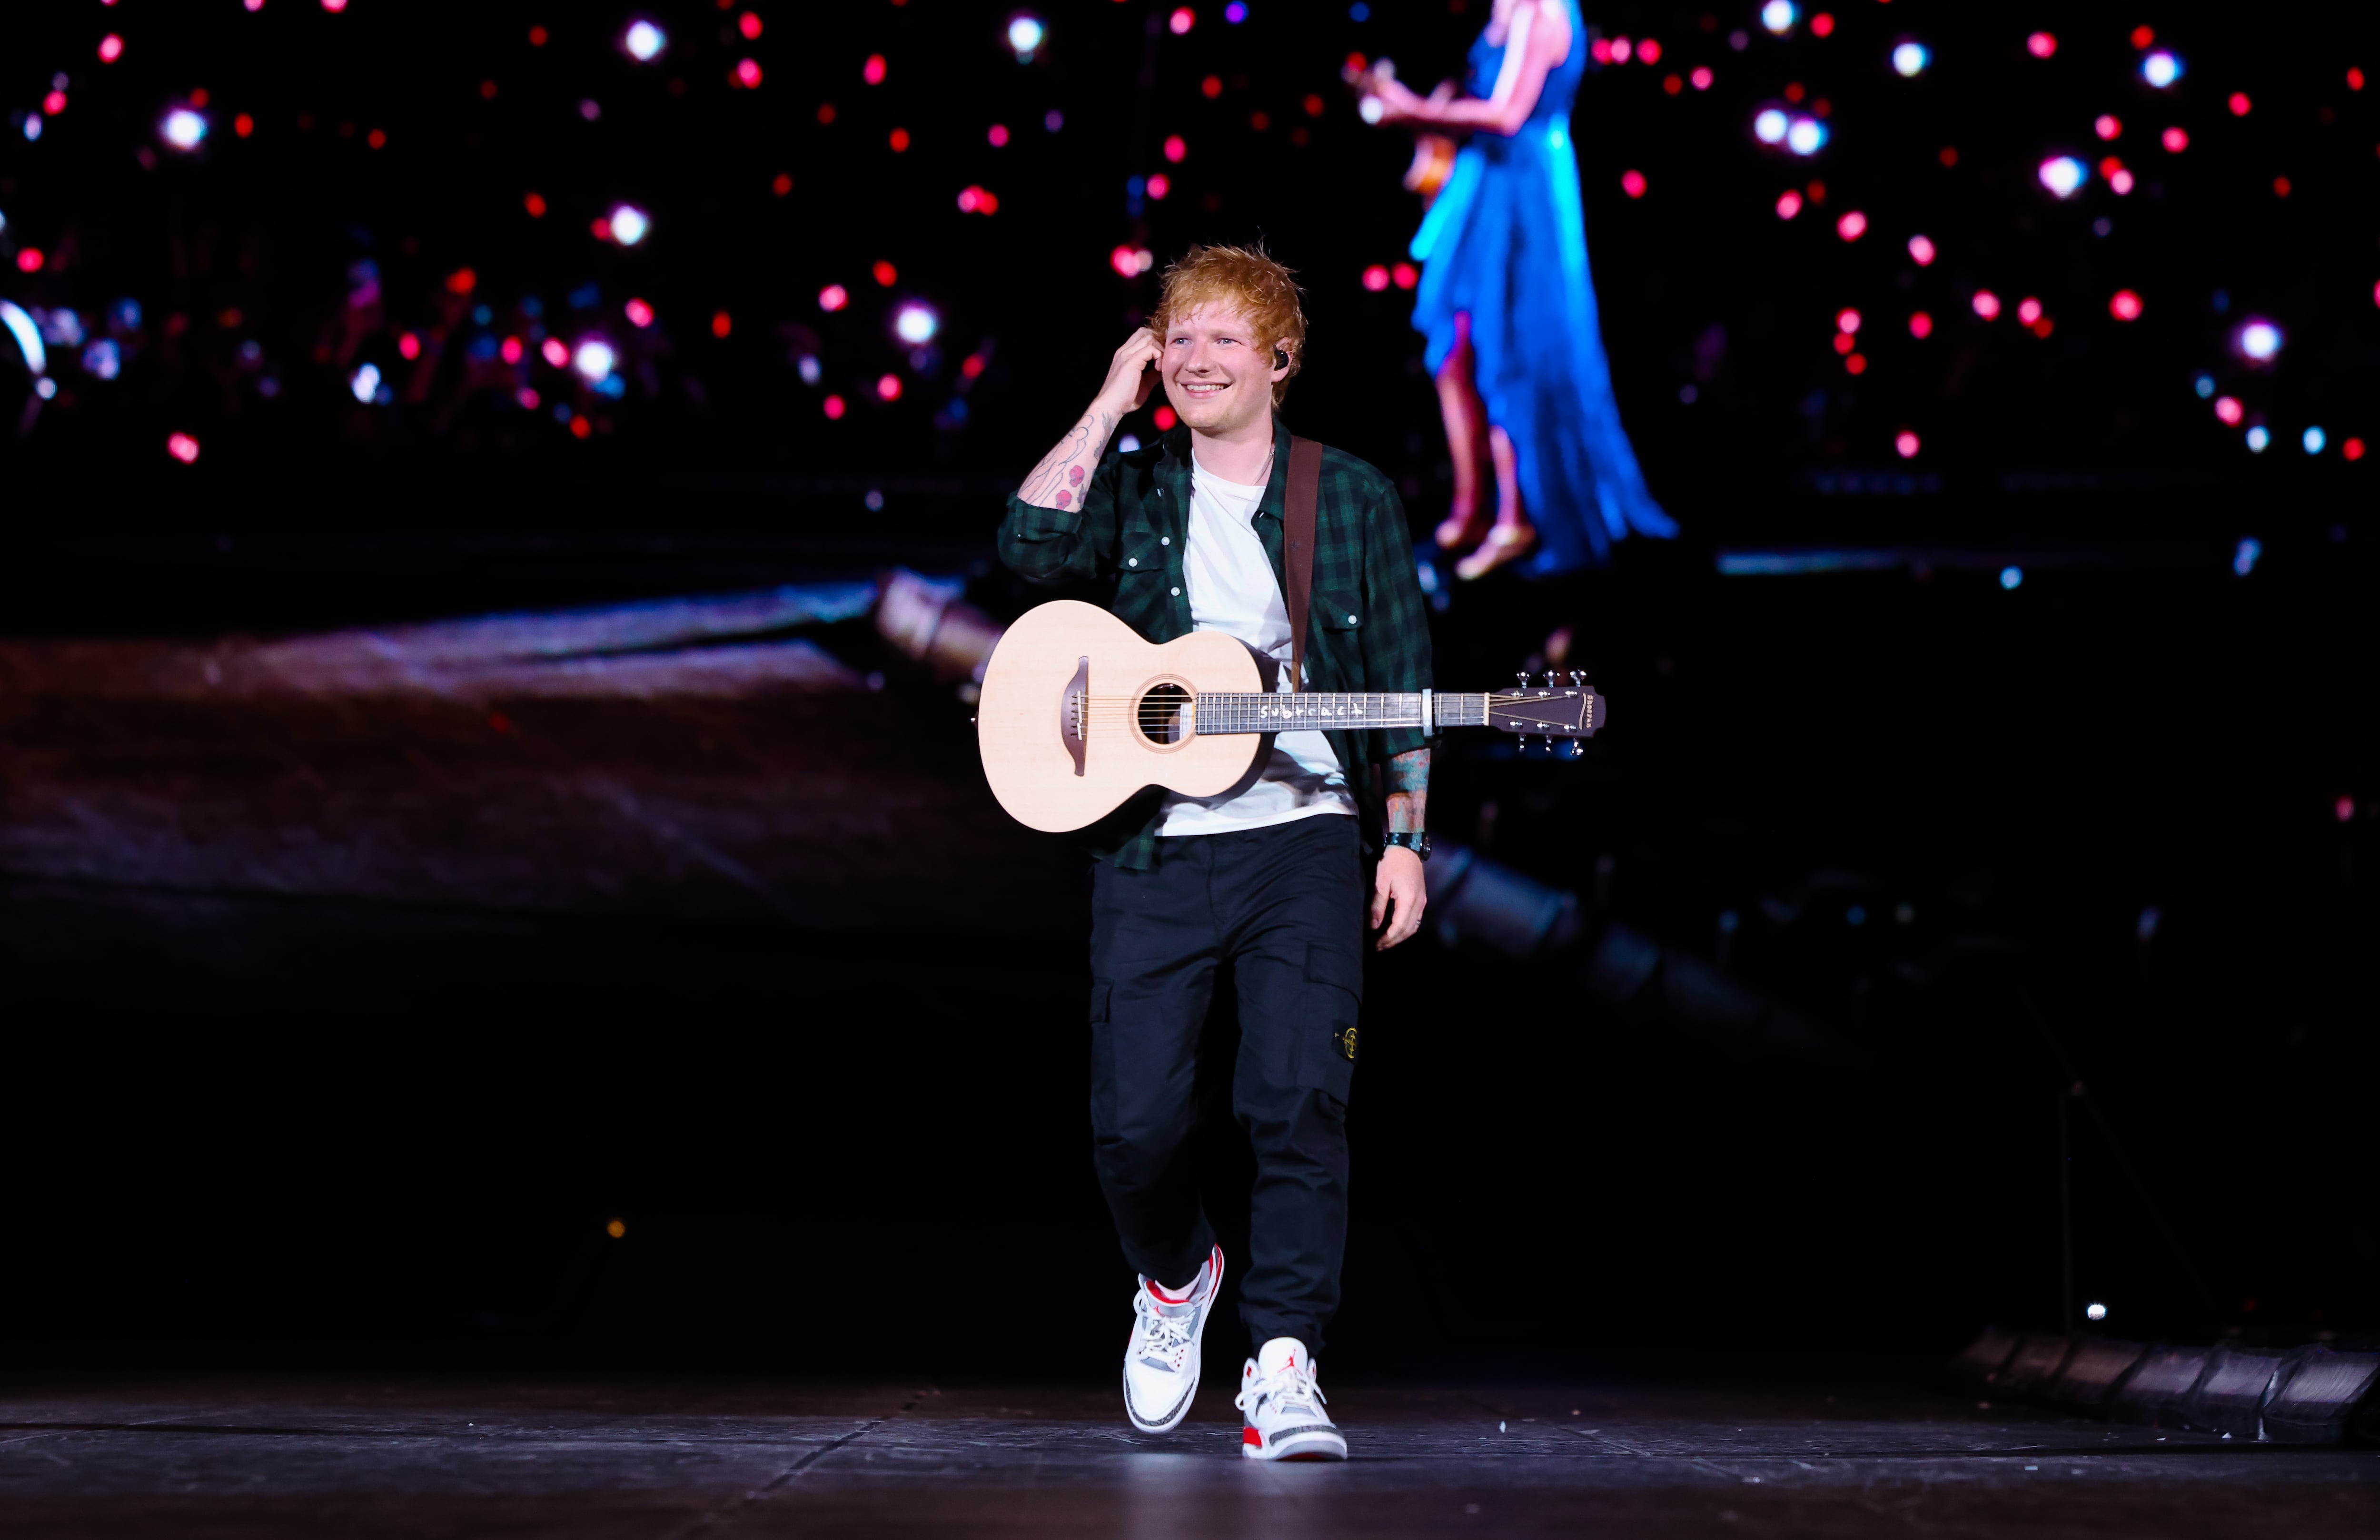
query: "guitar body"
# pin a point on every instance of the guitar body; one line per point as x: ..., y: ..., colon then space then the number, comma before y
x: 1078, y: 714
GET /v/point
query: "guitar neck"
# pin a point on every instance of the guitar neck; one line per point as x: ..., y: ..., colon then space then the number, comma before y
x: 1218, y: 712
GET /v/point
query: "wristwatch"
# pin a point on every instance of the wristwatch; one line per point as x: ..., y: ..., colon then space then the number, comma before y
x: 1417, y: 840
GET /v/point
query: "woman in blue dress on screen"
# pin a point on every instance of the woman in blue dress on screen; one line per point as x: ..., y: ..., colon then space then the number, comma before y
x: 1508, y: 307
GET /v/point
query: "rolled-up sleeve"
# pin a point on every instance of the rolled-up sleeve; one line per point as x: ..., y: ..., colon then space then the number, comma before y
x: 1396, y: 642
x: 1065, y: 545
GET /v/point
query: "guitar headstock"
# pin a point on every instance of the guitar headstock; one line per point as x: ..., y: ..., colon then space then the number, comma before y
x: 1551, y: 711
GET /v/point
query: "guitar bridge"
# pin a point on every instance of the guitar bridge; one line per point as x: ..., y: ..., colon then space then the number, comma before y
x: 1075, y: 712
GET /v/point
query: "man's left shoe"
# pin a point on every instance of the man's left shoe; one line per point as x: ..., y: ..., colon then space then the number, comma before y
x: 1282, y: 1406
x: 1160, y: 1364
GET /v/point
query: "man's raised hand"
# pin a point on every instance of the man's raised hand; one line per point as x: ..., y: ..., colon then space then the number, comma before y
x: 1130, y: 376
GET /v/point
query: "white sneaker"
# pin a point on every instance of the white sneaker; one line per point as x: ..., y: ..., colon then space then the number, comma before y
x: 1160, y: 1367
x: 1283, y: 1407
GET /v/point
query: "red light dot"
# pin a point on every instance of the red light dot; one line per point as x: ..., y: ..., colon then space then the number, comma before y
x: 2174, y: 141
x: 1856, y: 363
x: 1181, y: 20
x: 1211, y: 87
x: 826, y: 111
x: 29, y: 259
x: 2238, y: 103
x: 973, y: 365
x: 873, y: 70
x: 749, y: 25
x: 1673, y: 84
x: 54, y: 103
x: 579, y: 427
x: 556, y: 351
x: 1921, y: 324
x: 2041, y: 45
x: 408, y: 346
x: 2343, y: 809
x: 2354, y: 79
x: 885, y: 273
x: 199, y: 98
x: 1845, y: 342
x: 1633, y: 183
x: 376, y: 138
x: 243, y: 126
x: 966, y: 200
x: 2280, y: 187
x: 1821, y: 25
x: 899, y: 140
x: 782, y: 183
x: 2352, y: 449
x: 600, y: 228
x: 997, y: 136
x: 535, y: 204
x: 182, y: 447
x: 1921, y: 251
x: 1313, y: 105
x: 510, y: 350
x: 2143, y: 36
x: 834, y: 408
x: 1904, y: 443
x: 888, y: 387
x: 720, y: 323
x: 1175, y: 148
x: 1166, y: 420
x: 2125, y: 305
x: 1405, y: 275
x: 2028, y: 310
x: 1950, y: 155
x: 834, y: 296
x: 1375, y: 278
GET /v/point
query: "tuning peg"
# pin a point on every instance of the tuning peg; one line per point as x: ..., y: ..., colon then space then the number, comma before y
x: 1578, y: 676
x: 1577, y: 749
x: 1523, y: 675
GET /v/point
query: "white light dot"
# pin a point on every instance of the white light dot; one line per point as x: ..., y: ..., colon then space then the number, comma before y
x: 2160, y: 69
x: 2064, y: 176
x: 2095, y: 1312
x: 1770, y: 126
x: 645, y: 40
x: 629, y: 224
x: 365, y: 382
x: 2259, y: 340
x: 2257, y: 438
x: 2314, y: 440
x: 1910, y: 59
x: 916, y: 324
x: 183, y: 128
x: 1778, y: 15
x: 1806, y: 136
x: 1025, y: 35
x: 594, y: 360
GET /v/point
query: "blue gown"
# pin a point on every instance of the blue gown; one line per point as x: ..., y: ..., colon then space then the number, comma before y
x: 1506, y: 242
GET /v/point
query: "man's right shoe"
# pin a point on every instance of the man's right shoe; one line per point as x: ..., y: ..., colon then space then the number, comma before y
x: 1161, y: 1366
x: 1283, y: 1407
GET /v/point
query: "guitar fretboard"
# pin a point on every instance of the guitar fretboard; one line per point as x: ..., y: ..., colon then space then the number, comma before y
x: 1218, y: 714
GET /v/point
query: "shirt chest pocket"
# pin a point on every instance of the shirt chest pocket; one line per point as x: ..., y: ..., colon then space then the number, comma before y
x: 1337, y: 612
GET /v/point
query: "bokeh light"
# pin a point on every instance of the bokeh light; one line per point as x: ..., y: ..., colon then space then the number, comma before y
x: 594, y: 360
x: 1921, y: 251
x: 629, y: 223
x: 111, y: 48
x: 2238, y: 103
x: 2028, y: 310
x: 1853, y: 225
x: 644, y: 41
x: 884, y: 272
x: 556, y: 352
x: 365, y: 382
x: 834, y: 296
x: 888, y: 387
x: 2064, y: 176
x: 2107, y: 126
x: 1988, y: 304
x: 2041, y: 45
x: 914, y: 323
x: 1375, y: 278
x: 2258, y: 341
x: 183, y: 447
x: 2161, y: 69
x: 1807, y: 136
x: 640, y: 314
x: 2313, y: 440
x: 2124, y: 304
x: 1778, y: 15
x: 1181, y: 20
x: 2258, y: 438
x: 1904, y: 443
x: 2175, y: 141
x: 2012, y: 577
x: 2227, y: 410
x: 1847, y: 321
x: 1920, y: 325
x: 1788, y: 204
x: 184, y: 128
x: 1633, y: 183
x: 1025, y: 35
x: 1910, y: 59
x: 1769, y: 126
x: 834, y: 407
x: 1175, y: 148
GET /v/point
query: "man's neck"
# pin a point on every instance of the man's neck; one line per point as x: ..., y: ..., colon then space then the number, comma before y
x: 1239, y: 456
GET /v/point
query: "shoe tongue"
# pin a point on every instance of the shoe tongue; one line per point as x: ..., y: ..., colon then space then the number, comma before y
x: 1281, y: 1352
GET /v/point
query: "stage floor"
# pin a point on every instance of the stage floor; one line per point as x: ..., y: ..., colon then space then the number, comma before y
x: 355, y: 1455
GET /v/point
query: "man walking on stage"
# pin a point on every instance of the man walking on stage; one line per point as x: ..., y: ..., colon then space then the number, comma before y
x: 1197, y: 532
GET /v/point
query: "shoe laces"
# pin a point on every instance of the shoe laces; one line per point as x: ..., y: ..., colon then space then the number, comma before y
x: 1162, y: 1335
x: 1294, y: 1383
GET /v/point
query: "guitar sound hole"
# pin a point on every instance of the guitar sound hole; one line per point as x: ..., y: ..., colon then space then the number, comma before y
x: 1159, y: 714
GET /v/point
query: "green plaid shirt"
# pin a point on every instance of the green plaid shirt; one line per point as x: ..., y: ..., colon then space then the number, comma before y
x: 1366, y: 628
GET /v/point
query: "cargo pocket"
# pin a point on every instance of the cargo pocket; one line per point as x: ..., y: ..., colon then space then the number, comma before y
x: 1327, y: 1037
x: 1103, y: 1078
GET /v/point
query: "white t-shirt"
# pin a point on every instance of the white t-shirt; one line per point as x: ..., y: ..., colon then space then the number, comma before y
x: 1233, y: 590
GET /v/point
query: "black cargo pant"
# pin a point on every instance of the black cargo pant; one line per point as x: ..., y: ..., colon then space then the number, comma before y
x: 1284, y: 905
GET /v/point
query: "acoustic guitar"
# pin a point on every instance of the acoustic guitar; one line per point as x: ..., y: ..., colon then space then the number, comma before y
x: 1078, y: 713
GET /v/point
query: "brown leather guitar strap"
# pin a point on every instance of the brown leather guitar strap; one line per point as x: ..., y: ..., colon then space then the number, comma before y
x: 1297, y: 554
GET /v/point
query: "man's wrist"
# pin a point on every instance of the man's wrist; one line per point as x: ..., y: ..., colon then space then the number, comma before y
x: 1414, y: 839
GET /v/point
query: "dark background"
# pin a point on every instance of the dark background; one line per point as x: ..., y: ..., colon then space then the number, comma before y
x: 2122, y: 804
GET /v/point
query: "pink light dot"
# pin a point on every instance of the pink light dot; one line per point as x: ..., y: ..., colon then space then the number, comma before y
x: 408, y: 346
x: 2228, y: 411
x: 1853, y: 225
x: 2174, y: 141
x: 749, y: 25
x: 1701, y: 78
x: 2106, y: 126
x: 1649, y: 50
x: 54, y: 103
x: 873, y: 70
x: 527, y: 398
x: 997, y: 136
x: 2041, y: 45
x: 1789, y: 204
x: 111, y: 48
x: 555, y: 351
x: 1633, y: 183
x: 1921, y: 324
x: 834, y: 296
x: 1988, y: 304
x: 747, y: 73
x: 966, y: 200
x: 834, y: 408
x: 1375, y: 278
x: 2121, y: 181
x: 182, y: 447
x: 1921, y: 251
x: 2238, y: 103
x: 1405, y: 275
x: 2125, y: 305
x: 1183, y: 19
x: 1620, y: 50
x: 2343, y: 809
x: 1175, y: 148
x: 2028, y: 310
x: 30, y: 260
x: 510, y: 350
x: 640, y: 314
x: 1160, y: 185
x: 1847, y: 321
x: 1904, y: 443
x: 888, y: 387
x: 334, y: 7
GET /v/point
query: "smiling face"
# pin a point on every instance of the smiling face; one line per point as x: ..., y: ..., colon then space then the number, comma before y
x: 1218, y: 374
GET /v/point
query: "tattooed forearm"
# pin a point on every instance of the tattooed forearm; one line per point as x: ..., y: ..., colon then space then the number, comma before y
x: 1057, y: 481
x: 1408, y: 787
